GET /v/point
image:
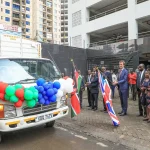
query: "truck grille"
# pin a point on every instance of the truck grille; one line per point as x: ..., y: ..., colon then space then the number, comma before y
x: 38, y: 109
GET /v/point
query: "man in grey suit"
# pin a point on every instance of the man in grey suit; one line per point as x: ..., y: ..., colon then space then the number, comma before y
x: 140, y: 79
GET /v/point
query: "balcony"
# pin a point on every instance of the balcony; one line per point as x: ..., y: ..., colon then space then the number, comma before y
x: 141, y: 1
x: 17, y: 23
x: 108, y: 12
x: 16, y: 16
x: 16, y: 1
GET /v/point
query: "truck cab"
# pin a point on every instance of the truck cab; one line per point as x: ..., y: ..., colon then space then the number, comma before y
x: 26, y: 71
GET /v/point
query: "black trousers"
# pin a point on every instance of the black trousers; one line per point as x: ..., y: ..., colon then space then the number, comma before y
x: 89, y: 96
x: 94, y: 98
x: 80, y: 98
x: 141, y: 110
x: 133, y: 90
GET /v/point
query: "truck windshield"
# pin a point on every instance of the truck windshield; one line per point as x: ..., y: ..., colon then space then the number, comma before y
x: 15, y: 70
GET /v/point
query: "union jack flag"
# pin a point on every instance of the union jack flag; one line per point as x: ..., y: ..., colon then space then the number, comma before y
x: 106, y: 92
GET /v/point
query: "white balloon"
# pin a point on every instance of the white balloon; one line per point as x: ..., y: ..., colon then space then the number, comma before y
x: 59, y: 93
x: 69, y: 80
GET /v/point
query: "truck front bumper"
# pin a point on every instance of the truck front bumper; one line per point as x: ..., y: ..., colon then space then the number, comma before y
x: 31, y: 121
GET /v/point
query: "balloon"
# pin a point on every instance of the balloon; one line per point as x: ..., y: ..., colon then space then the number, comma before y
x: 19, y: 93
x: 50, y: 82
x: 10, y: 90
x: 35, y: 95
x: 28, y: 95
x: 36, y: 100
x: 18, y: 86
x: 40, y: 81
x: 50, y: 85
x: 41, y: 89
x: 47, y: 102
x: 59, y: 93
x: 69, y: 80
x: 32, y: 88
x: 31, y: 103
x: 46, y: 86
x: 3, y: 87
x: 56, y: 85
x: 52, y: 98
x: 44, y: 92
x: 6, y: 97
x: 42, y: 101
x: 69, y: 88
x: 40, y: 96
x: 37, y: 87
x: 13, y: 99
x: 18, y: 104
x: 55, y: 90
x: 2, y: 96
x: 45, y: 97
x: 50, y: 92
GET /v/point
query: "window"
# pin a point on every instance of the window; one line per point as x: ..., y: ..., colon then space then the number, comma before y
x: 27, y: 8
x: 16, y: 7
x: 74, y: 1
x: 7, y: 11
x: 1, y: 1
x: 76, y: 18
x: 55, y: 29
x: 7, y: 19
x: 40, y: 26
x: 77, y: 41
x: 1, y: 9
x: 27, y: 16
x: 27, y: 37
x: 1, y: 17
x: 28, y: 1
x: 7, y: 4
x: 27, y: 30
x: 27, y: 23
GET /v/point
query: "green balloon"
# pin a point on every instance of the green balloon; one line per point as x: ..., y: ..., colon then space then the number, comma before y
x: 28, y: 95
x: 7, y: 98
x: 36, y: 90
x: 14, y: 99
x: 35, y: 95
x: 32, y: 88
x: 10, y: 90
x: 18, y: 86
x: 31, y: 103
x: 36, y: 100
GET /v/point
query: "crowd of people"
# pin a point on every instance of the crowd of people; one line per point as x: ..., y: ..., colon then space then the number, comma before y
x: 123, y: 81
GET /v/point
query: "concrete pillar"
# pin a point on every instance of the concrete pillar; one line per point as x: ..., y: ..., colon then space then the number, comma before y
x: 132, y: 22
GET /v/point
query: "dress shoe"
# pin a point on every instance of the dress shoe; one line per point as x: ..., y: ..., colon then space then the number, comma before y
x: 145, y: 119
x: 120, y: 112
x: 140, y: 115
x: 88, y: 106
x: 123, y: 114
x: 94, y: 109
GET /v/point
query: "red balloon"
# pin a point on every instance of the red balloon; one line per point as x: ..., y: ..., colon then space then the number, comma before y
x: 2, y: 96
x: 3, y: 87
x: 20, y: 93
x: 18, y: 104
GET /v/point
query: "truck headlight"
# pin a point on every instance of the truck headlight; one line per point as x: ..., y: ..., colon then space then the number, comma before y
x: 63, y: 101
x: 9, y: 111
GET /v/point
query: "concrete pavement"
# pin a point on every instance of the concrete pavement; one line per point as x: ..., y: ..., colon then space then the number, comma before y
x: 133, y: 131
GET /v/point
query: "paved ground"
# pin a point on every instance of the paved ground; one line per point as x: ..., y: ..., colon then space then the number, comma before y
x: 56, y: 138
x: 133, y: 132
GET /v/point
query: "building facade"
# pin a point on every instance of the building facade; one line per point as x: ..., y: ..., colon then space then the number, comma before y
x: 64, y: 22
x: 93, y: 23
x: 39, y: 19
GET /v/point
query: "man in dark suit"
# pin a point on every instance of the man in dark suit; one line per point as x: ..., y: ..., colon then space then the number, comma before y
x: 123, y: 87
x: 88, y: 88
x: 106, y: 75
x: 82, y: 88
x: 94, y: 89
x: 140, y: 79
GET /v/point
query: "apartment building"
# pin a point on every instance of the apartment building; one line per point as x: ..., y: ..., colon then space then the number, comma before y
x: 39, y: 19
x: 64, y: 22
x: 93, y: 23
x: 16, y: 12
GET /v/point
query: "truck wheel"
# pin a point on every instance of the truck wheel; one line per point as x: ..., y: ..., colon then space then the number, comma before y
x: 50, y: 124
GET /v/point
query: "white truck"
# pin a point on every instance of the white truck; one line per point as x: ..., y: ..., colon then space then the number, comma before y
x: 21, y: 60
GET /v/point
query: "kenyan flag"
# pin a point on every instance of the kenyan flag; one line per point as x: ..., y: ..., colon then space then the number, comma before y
x: 75, y: 104
x: 78, y: 79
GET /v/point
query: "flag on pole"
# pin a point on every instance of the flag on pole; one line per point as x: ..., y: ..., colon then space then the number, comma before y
x: 106, y: 92
x: 75, y: 102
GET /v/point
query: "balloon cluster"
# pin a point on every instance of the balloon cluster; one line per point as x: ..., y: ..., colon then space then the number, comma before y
x: 44, y: 93
x: 48, y: 91
x: 13, y: 94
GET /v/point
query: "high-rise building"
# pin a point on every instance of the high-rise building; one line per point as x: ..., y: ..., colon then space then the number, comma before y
x: 93, y: 23
x: 39, y: 19
x: 17, y: 12
x: 56, y: 21
x: 64, y: 22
